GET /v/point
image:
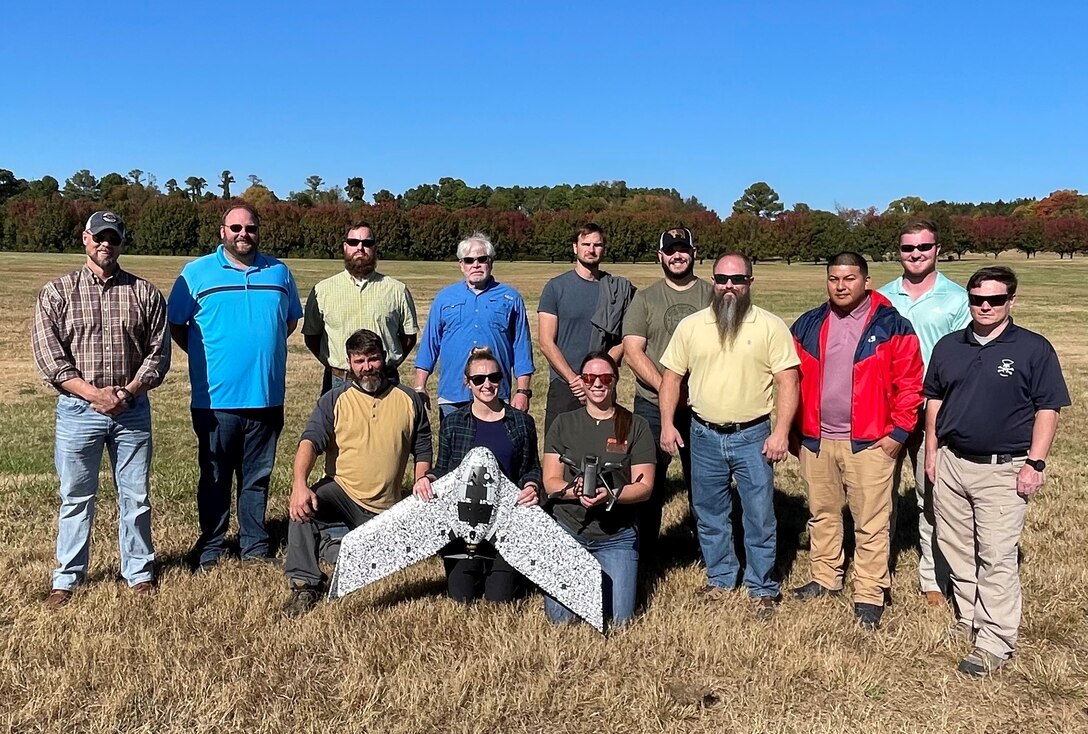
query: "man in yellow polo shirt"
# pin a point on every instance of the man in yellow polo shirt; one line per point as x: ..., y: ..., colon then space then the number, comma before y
x: 366, y: 428
x: 734, y: 354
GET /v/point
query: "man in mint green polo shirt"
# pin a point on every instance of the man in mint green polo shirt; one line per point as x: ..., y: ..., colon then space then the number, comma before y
x: 935, y: 306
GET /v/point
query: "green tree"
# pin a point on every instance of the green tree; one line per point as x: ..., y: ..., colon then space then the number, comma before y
x: 759, y: 200
x: 225, y: 180
x: 259, y: 195
x: 135, y: 174
x: 45, y: 188
x: 355, y: 189
x: 82, y: 185
x: 384, y: 196
x: 906, y: 205
x: 10, y: 185
x: 195, y: 186
x: 167, y: 225
x: 107, y: 185
x: 313, y: 184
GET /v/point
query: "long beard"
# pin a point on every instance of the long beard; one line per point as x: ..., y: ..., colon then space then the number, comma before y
x: 729, y: 314
x: 358, y: 268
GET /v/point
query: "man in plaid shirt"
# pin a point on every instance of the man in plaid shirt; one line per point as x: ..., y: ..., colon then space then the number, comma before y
x: 99, y: 339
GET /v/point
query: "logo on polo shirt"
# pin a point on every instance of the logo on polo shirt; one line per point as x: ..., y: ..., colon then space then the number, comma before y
x: 1005, y: 369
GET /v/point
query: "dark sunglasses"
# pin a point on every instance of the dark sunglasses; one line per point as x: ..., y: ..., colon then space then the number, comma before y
x: 734, y: 278
x: 673, y: 249
x: 110, y: 238
x: 482, y: 259
x: 249, y: 228
x: 923, y: 247
x: 352, y: 242
x: 606, y: 378
x: 493, y: 377
x: 999, y: 300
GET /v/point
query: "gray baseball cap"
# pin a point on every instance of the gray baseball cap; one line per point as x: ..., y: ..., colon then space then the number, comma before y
x: 103, y: 220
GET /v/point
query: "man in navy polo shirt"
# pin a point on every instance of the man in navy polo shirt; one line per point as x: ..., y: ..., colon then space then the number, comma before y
x: 232, y: 311
x: 994, y: 393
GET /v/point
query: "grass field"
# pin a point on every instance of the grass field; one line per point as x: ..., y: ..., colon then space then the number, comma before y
x: 212, y: 653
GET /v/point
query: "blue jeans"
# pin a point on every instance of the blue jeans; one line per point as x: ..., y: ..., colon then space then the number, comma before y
x: 229, y: 443
x: 82, y: 434
x: 618, y: 557
x: 716, y: 458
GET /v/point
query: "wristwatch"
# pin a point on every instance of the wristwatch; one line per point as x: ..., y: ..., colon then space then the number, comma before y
x: 525, y: 391
x: 128, y: 397
x: 1036, y: 464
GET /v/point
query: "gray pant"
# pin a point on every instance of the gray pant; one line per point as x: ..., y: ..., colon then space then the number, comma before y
x: 334, y: 506
x: 933, y: 574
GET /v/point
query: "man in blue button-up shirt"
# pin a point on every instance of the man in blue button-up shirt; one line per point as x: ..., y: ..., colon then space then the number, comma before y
x: 477, y: 312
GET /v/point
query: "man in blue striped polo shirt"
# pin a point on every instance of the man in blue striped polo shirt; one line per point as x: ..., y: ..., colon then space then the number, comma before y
x: 935, y: 306
x: 232, y: 311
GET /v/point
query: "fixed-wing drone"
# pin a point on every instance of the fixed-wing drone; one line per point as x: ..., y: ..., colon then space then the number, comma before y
x: 475, y: 502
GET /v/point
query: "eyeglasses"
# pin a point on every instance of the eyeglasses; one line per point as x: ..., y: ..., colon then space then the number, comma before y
x: 997, y: 300
x: 249, y: 228
x: 734, y: 278
x: 606, y: 378
x: 352, y: 242
x: 110, y: 238
x: 673, y: 249
x: 482, y: 259
x: 493, y: 377
x: 923, y: 247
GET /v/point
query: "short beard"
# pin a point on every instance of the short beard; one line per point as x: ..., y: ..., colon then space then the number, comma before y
x: 677, y: 278
x: 369, y: 383
x: 358, y: 270
x: 729, y: 314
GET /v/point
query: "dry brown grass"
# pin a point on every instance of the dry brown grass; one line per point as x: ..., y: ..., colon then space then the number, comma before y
x: 213, y: 654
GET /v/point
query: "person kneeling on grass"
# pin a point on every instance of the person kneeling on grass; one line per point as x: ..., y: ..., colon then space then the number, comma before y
x: 367, y: 427
x: 612, y: 434
x: 510, y: 435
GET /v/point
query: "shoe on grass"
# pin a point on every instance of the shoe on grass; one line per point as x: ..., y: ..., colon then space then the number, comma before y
x: 980, y: 663
x: 711, y: 593
x: 812, y: 590
x: 868, y: 615
x: 58, y: 598
x: 765, y: 606
x: 301, y: 601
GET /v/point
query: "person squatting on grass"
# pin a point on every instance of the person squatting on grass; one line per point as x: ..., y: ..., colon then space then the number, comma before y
x: 991, y: 375
x: 861, y: 385
x: 510, y: 435
x: 612, y: 434
x: 232, y: 311
x: 734, y: 354
x: 99, y: 339
x: 366, y: 428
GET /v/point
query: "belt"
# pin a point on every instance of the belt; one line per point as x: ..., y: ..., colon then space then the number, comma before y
x: 987, y: 458
x: 731, y: 427
x: 342, y: 374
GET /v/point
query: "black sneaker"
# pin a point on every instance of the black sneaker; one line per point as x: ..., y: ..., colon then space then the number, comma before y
x: 980, y: 663
x: 811, y: 590
x: 868, y: 615
x: 303, y: 599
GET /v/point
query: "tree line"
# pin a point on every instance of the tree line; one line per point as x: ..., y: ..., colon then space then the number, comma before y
x: 536, y: 223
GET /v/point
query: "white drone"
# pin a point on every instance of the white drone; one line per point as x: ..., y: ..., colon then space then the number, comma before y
x: 474, y: 502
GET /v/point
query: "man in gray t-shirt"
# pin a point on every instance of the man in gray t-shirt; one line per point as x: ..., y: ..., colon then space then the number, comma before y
x: 566, y: 312
x: 647, y: 328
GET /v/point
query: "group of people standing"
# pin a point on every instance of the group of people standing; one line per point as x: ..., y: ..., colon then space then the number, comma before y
x: 922, y: 370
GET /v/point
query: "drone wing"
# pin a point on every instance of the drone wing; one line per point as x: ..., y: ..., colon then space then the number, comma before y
x: 547, y: 555
x: 403, y: 535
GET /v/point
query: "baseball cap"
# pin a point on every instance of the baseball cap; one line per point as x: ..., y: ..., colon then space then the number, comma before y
x: 668, y: 239
x: 103, y: 220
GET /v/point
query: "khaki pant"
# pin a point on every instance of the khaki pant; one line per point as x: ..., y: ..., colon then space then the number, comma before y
x: 979, y: 520
x: 836, y: 479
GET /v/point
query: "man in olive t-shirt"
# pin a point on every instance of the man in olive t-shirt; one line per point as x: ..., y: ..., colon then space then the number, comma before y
x: 648, y: 326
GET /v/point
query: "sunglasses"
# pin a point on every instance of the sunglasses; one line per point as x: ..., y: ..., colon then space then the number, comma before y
x: 110, y: 238
x: 249, y: 228
x: 493, y: 377
x: 999, y: 300
x: 606, y: 378
x: 673, y: 249
x: 352, y: 242
x: 924, y: 247
x: 482, y: 259
x: 735, y: 278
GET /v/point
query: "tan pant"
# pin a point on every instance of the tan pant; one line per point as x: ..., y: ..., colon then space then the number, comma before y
x: 836, y: 479
x: 979, y: 520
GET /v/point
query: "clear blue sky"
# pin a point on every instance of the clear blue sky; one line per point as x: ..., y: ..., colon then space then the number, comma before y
x: 845, y: 102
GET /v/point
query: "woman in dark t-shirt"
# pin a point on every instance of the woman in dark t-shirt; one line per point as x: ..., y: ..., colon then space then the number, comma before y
x: 511, y: 436
x: 613, y: 434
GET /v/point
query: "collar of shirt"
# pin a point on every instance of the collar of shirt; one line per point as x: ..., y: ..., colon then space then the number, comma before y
x: 1008, y: 334
x: 361, y: 283
x: 491, y: 283
x: 860, y: 311
x: 259, y: 261
x: 941, y: 285
x: 118, y: 277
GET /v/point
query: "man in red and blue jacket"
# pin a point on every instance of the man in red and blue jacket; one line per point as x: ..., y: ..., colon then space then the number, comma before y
x: 861, y: 385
